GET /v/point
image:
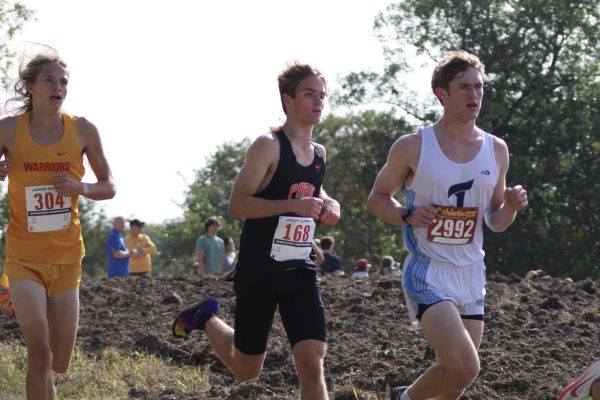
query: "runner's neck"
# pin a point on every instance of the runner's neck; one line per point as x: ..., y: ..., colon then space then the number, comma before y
x: 457, y: 131
x: 45, y: 124
x: 297, y: 133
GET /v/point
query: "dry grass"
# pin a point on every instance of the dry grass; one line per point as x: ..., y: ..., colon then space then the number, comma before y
x: 108, y: 376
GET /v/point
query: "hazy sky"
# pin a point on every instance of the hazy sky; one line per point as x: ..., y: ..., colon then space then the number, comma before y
x: 166, y: 82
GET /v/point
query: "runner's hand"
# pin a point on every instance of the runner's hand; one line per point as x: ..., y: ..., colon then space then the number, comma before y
x: 4, y: 167
x: 423, y: 216
x: 330, y: 214
x: 66, y: 185
x: 308, y: 207
x: 515, y: 198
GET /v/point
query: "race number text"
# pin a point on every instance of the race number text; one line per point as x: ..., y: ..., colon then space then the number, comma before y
x: 46, y: 209
x: 293, y: 238
x: 455, y: 225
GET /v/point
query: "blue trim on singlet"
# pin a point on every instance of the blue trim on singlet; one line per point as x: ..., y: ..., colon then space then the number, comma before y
x: 415, y: 274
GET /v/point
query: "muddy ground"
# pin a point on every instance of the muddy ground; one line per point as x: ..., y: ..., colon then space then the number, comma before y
x: 540, y: 333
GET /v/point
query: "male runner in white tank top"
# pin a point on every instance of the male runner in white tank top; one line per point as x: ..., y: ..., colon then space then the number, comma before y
x: 454, y: 177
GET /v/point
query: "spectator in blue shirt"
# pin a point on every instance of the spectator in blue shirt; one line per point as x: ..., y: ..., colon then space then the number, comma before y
x: 210, y: 249
x: 116, y: 251
x: 331, y: 263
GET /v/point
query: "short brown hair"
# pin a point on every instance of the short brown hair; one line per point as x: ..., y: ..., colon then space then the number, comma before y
x: 292, y: 75
x: 454, y: 63
x: 210, y: 222
x: 327, y: 242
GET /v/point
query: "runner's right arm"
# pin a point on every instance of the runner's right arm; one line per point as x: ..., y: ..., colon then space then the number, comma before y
x: 401, y: 163
x: 261, y: 158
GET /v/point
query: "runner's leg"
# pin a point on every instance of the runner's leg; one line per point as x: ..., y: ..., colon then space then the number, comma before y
x: 30, y: 303
x: 63, y: 317
x: 475, y: 329
x: 459, y: 362
x: 308, y: 356
x: 596, y: 391
x: 243, y: 366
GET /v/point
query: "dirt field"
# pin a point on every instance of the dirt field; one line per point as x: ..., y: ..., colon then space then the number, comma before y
x: 540, y: 333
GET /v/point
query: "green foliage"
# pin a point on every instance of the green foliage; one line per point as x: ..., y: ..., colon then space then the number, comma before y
x: 12, y: 18
x: 542, y: 97
x: 357, y: 147
x: 94, y: 228
x: 207, y: 195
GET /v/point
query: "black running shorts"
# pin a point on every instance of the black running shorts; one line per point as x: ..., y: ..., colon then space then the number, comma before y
x: 295, y: 291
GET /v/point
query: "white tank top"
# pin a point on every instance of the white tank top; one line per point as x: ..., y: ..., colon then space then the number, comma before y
x: 463, y: 192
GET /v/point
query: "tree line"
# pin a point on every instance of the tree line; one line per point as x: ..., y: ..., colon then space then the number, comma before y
x: 542, y: 96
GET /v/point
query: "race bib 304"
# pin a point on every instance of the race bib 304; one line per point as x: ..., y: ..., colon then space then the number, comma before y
x: 46, y: 209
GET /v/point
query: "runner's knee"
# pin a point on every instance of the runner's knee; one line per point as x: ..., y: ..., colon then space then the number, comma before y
x: 310, y: 367
x: 61, y: 366
x: 39, y: 358
x: 246, y: 372
x: 464, y: 373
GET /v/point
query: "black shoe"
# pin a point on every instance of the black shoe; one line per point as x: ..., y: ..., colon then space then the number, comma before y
x: 396, y: 392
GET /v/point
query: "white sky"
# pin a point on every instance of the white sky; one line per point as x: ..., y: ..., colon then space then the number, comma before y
x: 166, y: 82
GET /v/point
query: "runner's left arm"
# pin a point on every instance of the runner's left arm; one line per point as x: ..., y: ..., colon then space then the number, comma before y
x: 319, y: 257
x: 330, y: 213
x: 104, y: 188
x: 506, y: 201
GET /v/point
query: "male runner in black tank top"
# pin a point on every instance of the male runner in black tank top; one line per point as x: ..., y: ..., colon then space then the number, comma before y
x: 279, y: 193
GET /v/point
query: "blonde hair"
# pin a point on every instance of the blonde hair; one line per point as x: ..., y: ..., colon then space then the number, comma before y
x: 28, y: 73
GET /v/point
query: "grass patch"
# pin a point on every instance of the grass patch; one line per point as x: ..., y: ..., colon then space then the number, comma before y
x: 108, y: 376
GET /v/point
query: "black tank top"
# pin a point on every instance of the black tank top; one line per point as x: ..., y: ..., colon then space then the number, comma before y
x: 290, y: 181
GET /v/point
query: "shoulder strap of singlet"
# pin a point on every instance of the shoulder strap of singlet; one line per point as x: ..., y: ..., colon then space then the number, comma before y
x: 317, y: 152
x: 70, y: 122
x: 22, y: 121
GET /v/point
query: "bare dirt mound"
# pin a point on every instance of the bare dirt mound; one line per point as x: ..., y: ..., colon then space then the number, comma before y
x: 540, y: 334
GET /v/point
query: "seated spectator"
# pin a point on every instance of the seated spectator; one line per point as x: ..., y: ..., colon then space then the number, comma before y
x: 230, y: 254
x: 388, y: 266
x: 385, y: 265
x: 361, y: 269
x: 331, y: 263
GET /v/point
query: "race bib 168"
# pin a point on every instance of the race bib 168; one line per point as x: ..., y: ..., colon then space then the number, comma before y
x: 293, y: 238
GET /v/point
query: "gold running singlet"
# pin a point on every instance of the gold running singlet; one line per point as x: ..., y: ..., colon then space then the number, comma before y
x: 44, y: 226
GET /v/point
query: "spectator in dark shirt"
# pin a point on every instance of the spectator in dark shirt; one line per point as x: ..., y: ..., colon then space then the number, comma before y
x: 331, y: 263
